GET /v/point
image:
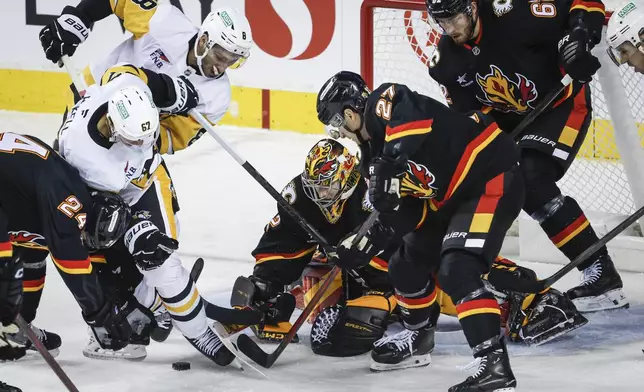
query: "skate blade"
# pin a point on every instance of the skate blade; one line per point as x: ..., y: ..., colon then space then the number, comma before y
x: 510, y: 389
x: 411, y: 362
x: 220, y: 330
x: 113, y: 356
x: 614, y: 299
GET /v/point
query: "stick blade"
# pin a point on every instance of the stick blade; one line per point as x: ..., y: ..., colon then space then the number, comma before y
x: 253, y: 351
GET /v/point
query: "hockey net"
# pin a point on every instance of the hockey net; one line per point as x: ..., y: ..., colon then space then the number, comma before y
x: 398, y: 41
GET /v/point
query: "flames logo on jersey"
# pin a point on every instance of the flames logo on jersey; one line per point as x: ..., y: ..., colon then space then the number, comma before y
x: 417, y: 182
x: 503, y: 93
x: 27, y: 239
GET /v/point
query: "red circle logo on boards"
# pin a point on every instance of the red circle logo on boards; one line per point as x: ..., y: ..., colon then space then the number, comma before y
x: 273, y: 36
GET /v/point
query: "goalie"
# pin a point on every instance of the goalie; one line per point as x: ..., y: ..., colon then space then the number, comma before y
x: 331, y: 195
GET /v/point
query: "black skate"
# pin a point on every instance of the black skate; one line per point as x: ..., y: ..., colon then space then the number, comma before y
x: 4, y: 387
x: 50, y: 340
x: 494, y: 373
x: 601, y: 288
x: 211, y: 346
x: 405, y: 349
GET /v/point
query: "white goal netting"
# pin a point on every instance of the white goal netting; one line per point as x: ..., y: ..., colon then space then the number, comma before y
x: 400, y: 42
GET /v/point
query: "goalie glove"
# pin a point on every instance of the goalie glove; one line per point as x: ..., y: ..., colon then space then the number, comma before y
x: 384, y: 182
x: 149, y: 247
x: 10, y: 289
x: 182, y: 95
x: 62, y: 36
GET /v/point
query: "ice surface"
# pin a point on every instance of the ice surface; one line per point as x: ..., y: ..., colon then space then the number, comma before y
x: 223, y: 212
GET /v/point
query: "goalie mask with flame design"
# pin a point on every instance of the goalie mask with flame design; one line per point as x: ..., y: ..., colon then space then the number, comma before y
x: 330, y: 176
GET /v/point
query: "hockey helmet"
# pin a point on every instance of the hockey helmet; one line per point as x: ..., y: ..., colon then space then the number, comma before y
x: 133, y: 117
x: 330, y: 176
x: 344, y: 90
x: 106, y: 222
x: 447, y: 9
x: 623, y: 32
x: 229, y: 37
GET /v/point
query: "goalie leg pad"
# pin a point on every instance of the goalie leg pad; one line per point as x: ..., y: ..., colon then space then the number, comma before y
x: 345, y: 331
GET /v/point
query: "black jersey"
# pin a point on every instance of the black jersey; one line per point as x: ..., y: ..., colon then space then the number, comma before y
x: 513, y: 62
x: 448, y: 151
x: 44, y: 205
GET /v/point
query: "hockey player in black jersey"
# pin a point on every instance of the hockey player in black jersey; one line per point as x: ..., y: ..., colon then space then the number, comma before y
x: 464, y: 170
x: 505, y: 57
x: 46, y: 209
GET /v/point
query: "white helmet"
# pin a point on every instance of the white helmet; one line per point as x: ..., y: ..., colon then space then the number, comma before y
x: 133, y: 117
x: 229, y: 29
x: 624, y: 25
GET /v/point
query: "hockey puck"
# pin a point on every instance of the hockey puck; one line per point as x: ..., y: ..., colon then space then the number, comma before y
x: 180, y: 366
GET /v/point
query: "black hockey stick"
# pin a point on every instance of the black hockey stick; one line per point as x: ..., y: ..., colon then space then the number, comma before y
x: 540, y: 108
x: 22, y: 324
x: 538, y: 286
x: 259, y: 356
x: 224, y: 315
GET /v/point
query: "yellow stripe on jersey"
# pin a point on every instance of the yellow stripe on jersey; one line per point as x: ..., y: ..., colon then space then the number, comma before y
x: 163, y: 183
x: 177, y: 133
x: 135, y: 14
x: 118, y: 70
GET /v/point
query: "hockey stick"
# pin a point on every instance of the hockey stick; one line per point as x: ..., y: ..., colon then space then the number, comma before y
x: 22, y: 324
x: 540, y: 108
x: 538, y: 286
x: 259, y: 356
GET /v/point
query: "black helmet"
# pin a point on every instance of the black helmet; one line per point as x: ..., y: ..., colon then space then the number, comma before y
x: 445, y: 9
x: 107, y: 221
x: 344, y: 90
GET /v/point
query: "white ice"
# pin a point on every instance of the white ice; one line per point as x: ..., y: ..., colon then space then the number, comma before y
x: 223, y: 212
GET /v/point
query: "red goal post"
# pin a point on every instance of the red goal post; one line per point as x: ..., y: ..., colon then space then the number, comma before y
x: 607, y: 178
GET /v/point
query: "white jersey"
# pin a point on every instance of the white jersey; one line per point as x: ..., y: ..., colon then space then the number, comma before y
x: 160, y: 43
x: 106, y: 166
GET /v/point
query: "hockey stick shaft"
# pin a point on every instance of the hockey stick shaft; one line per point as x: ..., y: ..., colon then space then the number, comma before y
x: 22, y: 324
x: 77, y: 79
x: 541, y: 107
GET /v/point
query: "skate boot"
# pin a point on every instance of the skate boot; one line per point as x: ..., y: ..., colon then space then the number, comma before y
x: 50, y: 340
x: 164, y: 324
x: 493, y: 374
x: 211, y: 346
x: 4, y: 387
x: 601, y: 288
x: 405, y: 349
x: 131, y: 352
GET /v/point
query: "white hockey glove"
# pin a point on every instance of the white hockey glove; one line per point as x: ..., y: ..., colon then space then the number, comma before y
x: 149, y: 247
x: 183, y: 96
x: 63, y: 35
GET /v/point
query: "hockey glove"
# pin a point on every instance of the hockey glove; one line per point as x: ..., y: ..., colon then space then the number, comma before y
x: 113, y: 326
x: 63, y: 35
x: 384, y: 182
x: 575, y: 56
x: 11, y: 349
x: 350, y: 255
x: 149, y: 247
x: 182, y: 94
x: 10, y: 289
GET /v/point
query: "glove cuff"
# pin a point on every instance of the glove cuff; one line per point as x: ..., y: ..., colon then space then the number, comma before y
x: 75, y: 22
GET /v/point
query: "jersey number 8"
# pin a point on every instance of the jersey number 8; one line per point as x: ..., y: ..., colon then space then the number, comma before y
x: 145, y: 4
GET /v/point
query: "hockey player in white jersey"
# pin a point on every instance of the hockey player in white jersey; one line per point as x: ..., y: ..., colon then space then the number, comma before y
x: 109, y: 136
x: 625, y: 35
x: 165, y: 40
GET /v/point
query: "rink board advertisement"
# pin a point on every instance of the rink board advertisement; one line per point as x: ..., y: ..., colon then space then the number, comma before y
x: 299, y: 44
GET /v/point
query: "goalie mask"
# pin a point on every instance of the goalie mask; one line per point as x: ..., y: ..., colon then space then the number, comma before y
x: 330, y: 176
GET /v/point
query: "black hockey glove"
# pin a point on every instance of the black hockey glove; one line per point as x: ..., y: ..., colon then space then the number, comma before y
x: 182, y: 95
x: 64, y: 34
x: 148, y: 246
x: 351, y: 256
x: 10, y: 289
x: 114, y: 325
x: 384, y: 182
x: 575, y: 56
x: 11, y: 349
